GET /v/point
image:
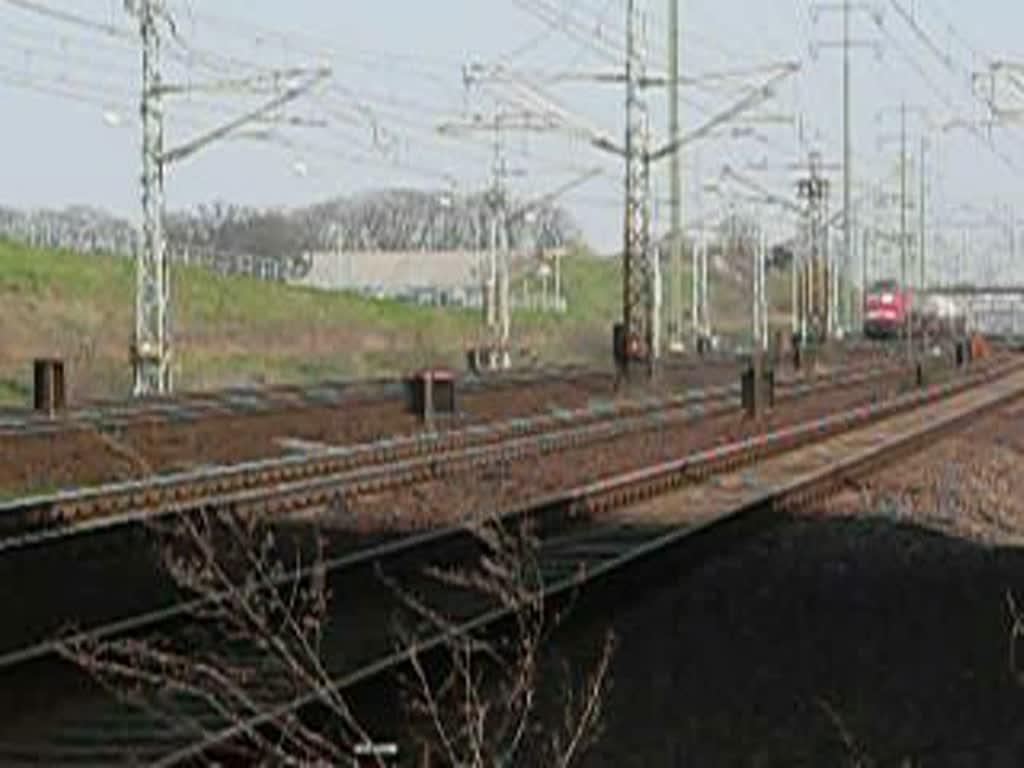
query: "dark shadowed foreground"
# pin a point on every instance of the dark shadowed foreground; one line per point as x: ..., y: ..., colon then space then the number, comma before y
x: 830, y: 640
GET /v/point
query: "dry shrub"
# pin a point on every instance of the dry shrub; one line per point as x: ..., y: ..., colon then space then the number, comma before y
x: 252, y: 645
x: 482, y: 709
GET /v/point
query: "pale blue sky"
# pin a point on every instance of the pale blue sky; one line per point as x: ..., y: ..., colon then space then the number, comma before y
x: 401, y: 59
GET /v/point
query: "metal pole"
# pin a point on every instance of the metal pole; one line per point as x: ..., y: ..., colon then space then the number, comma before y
x: 847, y: 148
x: 808, y: 307
x: 833, y: 287
x: 675, y: 179
x: 504, y: 297
x: 962, y: 261
x: 638, y: 274
x: 495, y: 288
x: 755, y: 314
x: 491, y: 283
x: 827, y: 273
x: 558, y: 281
x: 763, y: 288
x: 923, y: 249
x: 695, y: 281
x: 794, y: 299
x: 903, y: 221
x: 152, y: 348
x: 699, y: 246
x: 704, y: 286
x: 654, y: 264
x: 864, y: 276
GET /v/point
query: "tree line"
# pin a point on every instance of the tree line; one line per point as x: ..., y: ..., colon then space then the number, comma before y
x: 388, y: 220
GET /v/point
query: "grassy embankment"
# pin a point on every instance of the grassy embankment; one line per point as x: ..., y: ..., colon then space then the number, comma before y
x: 231, y: 330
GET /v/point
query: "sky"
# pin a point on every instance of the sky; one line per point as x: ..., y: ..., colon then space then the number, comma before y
x: 69, y: 101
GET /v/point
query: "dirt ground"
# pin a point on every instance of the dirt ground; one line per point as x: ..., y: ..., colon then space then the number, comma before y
x: 83, y: 456
x: 873, y: 632
x: 440, y: 501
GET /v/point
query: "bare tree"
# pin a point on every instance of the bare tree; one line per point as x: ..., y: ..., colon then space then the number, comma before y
x: 482, y: 708
x: 254, y: 642
x: 856, y: 755
x: 1016, y: 635
x: 258, y: 607
x: 77, y: 228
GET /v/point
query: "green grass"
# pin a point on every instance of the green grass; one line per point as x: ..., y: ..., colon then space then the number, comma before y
x: 234, y: 330
x: 15, y: 389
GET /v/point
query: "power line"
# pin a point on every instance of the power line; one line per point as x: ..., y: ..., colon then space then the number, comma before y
x: 947, y: 102
x: 571, y: 26
x: 83, y: 22
x: 99, y: 94
x: 312, y: 45
x: 95, y: 96
x: 86, y: 62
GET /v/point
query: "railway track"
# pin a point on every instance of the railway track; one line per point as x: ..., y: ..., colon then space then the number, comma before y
x: 336, y: 475
x: 113, y: 416
x: 133, y: 440
x: 77, y: 569
x: 110, y: 415
x: 616, y: 527
x: 191, y: 432
x: 104, y: 562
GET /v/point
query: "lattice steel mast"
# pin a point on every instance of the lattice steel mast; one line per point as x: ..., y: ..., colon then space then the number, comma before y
x: 839, y: 313
x: 151, y: 350
x: 639, y: 256
x: 639, y: 340
x: 151, y: 345
x: 675, y: 191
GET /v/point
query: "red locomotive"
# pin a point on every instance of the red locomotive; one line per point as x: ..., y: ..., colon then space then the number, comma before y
x: 886, y: 306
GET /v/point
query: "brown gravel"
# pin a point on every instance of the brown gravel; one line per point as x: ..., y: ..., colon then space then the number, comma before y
x: 82, y: 457
x: 453, y: 499
x: 872, y: 632
x: 970, y: 485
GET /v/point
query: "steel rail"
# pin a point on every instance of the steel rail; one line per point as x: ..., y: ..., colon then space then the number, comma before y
x: 118, y: 414
x: 43, y: 519
x: 417, y: 442
x: 571, y: 503
x: 633, y: 487
x: 622, y: 490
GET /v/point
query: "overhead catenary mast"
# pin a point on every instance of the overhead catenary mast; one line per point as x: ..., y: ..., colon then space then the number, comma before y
x: 152, y: 345
x: 675, y: 192
x: 904, y: 278
x: 839, y: 312
x: 151, y: 350
x: 638, y: 279
x: 922, y: 204
x: 640, y: 265
x: 496, y: 274
x: 837, y: 321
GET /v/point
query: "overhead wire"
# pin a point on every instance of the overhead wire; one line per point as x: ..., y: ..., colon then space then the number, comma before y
x: 83, y: 22
x: 405, y: 112
x: 312, y: 45
x: 571, y: 25
x: 100, y: 92
x: 71, y: 91
x: 100, y: 95
x: 362, y: 102
x: 942, y: 96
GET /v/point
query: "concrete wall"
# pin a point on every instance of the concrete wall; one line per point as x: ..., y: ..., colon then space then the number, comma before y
x: 998, y: 316
x: 394, y: 272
